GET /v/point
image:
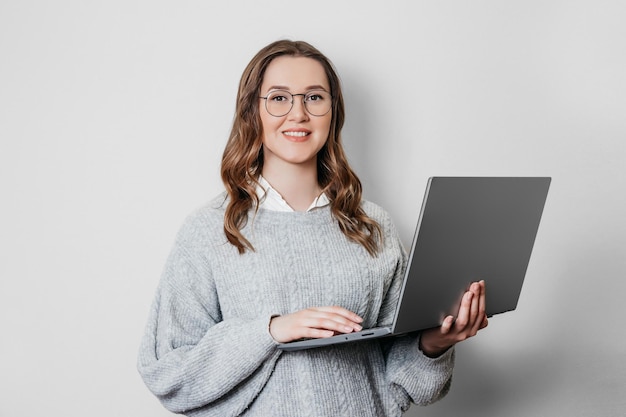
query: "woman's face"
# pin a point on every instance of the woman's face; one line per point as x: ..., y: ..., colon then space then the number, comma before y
x: 298, y: 136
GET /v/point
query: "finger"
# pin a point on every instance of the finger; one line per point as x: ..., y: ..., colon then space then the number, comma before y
x: 316, y: 333
x: 483, y: 297
x: 478, y: 307
x: 482, y: 307
x: 344, y: 312
x: 348, y: 322
x: 475, y: 288
x: 464, y: 311
x: 290, y: 327
x: 345, y: 317
x: 327, y: 324
x: 447, y: 325
x: 328, y: 321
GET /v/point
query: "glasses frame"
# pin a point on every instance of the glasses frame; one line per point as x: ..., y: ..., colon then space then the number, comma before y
x: 293, y: 99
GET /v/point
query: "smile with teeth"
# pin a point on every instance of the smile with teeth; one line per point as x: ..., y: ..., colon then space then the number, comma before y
x: 296, y: 134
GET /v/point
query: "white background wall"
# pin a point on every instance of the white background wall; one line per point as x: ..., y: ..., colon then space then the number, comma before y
x: 113, y: 117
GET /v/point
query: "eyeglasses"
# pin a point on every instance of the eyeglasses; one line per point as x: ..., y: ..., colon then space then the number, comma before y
x: 279, y: 102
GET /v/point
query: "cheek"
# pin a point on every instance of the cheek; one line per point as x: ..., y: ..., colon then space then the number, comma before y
x: 327, y: 126
x: 270, y: 124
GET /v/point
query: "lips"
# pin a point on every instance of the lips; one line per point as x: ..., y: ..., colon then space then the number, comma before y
x: 296, y: 135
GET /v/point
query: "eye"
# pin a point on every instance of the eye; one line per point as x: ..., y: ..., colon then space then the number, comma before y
x: 316, y: 96
x: 278, y: 96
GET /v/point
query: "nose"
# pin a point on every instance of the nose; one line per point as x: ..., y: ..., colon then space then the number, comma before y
x: 298, y: 112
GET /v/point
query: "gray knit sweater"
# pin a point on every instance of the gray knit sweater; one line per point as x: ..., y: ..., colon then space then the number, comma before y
x: 207, y: 350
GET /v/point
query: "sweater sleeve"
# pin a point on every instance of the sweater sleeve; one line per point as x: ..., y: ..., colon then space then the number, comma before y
x: 189, y: 357
x: 413, y: 376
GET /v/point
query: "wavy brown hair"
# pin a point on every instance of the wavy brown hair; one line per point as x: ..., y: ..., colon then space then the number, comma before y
x: 242, y: 161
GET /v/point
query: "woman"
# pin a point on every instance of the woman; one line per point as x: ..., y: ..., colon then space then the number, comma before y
x: 290, y: 251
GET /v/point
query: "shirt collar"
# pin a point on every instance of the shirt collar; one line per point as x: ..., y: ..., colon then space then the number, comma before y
x: 270, y: 199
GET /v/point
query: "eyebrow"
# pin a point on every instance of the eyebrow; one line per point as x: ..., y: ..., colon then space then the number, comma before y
x: 309, y: 88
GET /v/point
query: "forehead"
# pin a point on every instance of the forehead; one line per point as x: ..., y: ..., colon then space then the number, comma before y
x: 295, y: 74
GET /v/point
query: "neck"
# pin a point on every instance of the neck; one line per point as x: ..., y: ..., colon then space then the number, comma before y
x: 296, y: 183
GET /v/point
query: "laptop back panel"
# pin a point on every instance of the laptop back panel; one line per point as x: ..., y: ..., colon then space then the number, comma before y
x: 470, y: 228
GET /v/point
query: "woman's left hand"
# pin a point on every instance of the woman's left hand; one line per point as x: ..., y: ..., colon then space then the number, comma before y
x: 470, y: 320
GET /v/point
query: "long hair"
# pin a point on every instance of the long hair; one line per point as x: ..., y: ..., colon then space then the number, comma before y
x: 242, y: 160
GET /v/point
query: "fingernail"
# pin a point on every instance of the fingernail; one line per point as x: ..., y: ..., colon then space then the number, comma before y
x: 358, y: 328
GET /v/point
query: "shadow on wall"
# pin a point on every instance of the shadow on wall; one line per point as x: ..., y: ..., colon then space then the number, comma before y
x: 358, y: 132
x: 488, y: 384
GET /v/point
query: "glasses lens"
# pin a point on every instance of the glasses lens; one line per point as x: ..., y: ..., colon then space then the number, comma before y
x: 278, y: 103
x: 318, y: 102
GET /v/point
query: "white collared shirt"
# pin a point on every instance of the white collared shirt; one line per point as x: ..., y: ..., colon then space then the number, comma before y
x: 270, y: 199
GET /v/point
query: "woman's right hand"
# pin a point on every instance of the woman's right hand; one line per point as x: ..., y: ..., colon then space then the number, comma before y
x: 314, y: 323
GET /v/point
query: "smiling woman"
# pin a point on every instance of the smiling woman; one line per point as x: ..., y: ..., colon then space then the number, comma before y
x: 292, y: 141
x: 290, y: 251
x: 243, y: 162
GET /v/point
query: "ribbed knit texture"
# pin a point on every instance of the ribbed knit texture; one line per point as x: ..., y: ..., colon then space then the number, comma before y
x: 207, y: 350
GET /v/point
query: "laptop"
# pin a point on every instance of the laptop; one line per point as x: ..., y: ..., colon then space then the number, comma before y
x: 469, y: 228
